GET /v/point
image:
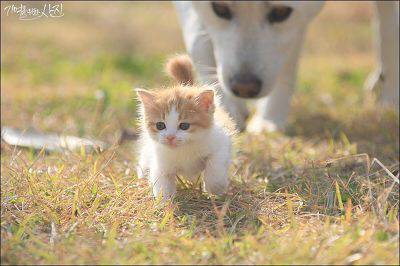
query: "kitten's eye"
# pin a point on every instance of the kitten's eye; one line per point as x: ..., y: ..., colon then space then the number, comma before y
x: 279, y: 14
x: 160, y: 125
x: 184, y: 126
x: 221, y: 10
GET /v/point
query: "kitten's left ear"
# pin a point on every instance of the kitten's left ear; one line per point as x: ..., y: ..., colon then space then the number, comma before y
x: 145, y: 96
x: 206, y: 100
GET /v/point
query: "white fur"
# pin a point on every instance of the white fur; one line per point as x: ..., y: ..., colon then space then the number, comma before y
x: 271, y: 52
x: 207, y: 150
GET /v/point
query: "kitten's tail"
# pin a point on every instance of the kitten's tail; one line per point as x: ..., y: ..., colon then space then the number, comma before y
x: 180, y: 68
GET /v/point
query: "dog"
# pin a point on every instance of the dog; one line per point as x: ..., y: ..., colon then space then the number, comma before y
x: 254, y: 47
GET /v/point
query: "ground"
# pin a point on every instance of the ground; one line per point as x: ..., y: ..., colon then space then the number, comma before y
x: 323, y: 191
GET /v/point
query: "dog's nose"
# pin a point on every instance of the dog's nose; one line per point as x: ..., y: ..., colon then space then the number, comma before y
x: 245, y: 85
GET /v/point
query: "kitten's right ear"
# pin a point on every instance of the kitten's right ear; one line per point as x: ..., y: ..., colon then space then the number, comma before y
x: 145, y: 96
x: 206, y: 100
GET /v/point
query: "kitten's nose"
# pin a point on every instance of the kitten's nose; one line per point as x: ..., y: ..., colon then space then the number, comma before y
x: 245, y: 85
x: 170, y: 138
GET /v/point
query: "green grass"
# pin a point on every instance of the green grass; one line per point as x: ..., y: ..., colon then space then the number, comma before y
x: 311, y: 194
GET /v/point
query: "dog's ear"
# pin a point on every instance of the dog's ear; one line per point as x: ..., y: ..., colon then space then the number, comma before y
x: 180, y: 68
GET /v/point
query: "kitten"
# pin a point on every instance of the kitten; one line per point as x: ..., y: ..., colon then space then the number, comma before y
x: 184, y: 131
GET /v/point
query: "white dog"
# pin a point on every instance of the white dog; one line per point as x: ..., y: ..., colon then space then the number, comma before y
x: 255, y: 46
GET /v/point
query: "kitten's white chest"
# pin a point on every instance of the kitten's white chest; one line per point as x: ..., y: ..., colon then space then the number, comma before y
x: 187, y: 162
x: 193, y: 169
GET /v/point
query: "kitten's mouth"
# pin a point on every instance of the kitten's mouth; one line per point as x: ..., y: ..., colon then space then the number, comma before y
x: 171, y: 144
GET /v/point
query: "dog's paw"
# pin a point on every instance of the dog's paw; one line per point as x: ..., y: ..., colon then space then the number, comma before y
x: 258, y: 125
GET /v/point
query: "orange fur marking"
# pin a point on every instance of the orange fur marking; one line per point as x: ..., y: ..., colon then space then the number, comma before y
x: 180, y: 68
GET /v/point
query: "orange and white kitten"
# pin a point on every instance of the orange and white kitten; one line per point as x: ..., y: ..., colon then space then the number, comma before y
x: 184, y: 131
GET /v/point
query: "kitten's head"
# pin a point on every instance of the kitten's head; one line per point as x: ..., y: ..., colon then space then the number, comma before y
x: 181, y: 114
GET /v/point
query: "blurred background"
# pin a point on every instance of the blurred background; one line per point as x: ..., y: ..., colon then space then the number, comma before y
x: 74, y: 74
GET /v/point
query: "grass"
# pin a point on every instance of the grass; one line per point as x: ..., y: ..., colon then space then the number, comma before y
x: 313, y: 194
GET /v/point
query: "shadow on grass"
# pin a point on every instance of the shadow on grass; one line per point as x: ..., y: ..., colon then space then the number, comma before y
x: 244, y: 208
x: 299, y: 194
x: 374, y: 131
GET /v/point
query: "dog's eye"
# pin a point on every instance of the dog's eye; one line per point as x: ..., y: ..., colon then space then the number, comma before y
x: 160, y: 125
x: 221, y: 10
x: 279, y: 14
x: 184, y: 126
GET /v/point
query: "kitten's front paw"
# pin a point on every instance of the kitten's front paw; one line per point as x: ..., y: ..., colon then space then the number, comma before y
x: 258, y: 125
x: 164, y: 193
x: 165, y: 187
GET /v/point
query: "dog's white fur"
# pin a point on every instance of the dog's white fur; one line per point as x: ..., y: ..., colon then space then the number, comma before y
x: 272, y: 52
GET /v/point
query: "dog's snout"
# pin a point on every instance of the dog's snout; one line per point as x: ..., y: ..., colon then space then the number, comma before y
x: 245, y: 85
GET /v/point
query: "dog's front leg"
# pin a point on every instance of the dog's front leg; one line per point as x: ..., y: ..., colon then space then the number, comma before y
x: 272, y: 111
x: 236, y: 108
